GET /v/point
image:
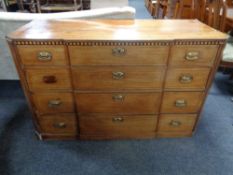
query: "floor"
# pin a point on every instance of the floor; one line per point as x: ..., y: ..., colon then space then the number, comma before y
x: 208, y: 152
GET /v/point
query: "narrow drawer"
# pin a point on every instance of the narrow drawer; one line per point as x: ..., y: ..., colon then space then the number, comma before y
x: 182, y: 102
x: 42, y: 55
x: 177, y: 122
x: 118, y: 77
x: 202, y: 55
x: 48, y: 79
x: 58, y: 124
x: 118, y: 55
x: 108, y: 125
x: 187, y: 78
x: 120, y: 103
x: 50, y: 103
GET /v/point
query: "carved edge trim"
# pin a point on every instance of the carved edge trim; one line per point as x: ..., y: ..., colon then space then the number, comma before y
x: 118, y: 43
x: 38, y: 42
x: 199, y: 42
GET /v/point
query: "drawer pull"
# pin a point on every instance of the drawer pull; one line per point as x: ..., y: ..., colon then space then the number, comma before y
x: 44, y: 56
x: 181, y: 103
x: 54, y: 103
x: 59, y: 125
x: 118, y: 75
x: 118, y: 97
x: 118, y: 51
x: 186, y: 78
x: 117, y: 119
x: 192, y: 56
x: 49, y: 79
x: 175, y: 123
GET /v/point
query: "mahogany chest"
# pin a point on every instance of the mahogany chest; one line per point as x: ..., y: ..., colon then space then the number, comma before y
x: 114, y: 79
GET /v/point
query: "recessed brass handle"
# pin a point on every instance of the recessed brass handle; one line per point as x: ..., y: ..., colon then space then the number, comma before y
x: 118, y: 75
x: 192, y: 56
x: 118, y: 51
x: 118, y: 97
x: 54, y: 103
x: 181, y: 103
x: 175, y: 123
x: 117, y: 119
x: 44, y: 56
x: 186, y: 78
x: 49, y: 79
x: 59, y: 125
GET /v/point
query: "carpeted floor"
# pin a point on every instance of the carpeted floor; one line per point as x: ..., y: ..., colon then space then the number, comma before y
x: 208, y: 152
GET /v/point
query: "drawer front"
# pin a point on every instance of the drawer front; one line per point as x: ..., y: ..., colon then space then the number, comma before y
x: 176, y: 122
x: 203, y: 55
x: 48, y: 103
x: 58, y: 124
x: 118, y: 55
x: 117, y: 125
x: 120, y: 103
x: 184, y: 78
x: 48, y: 79
x: 89, y: 78
x: 42, y: 55
x: 182, y: 102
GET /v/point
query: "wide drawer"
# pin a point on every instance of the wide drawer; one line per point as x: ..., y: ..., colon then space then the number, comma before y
x: 182, y: 102
x: 48, y: 79
x: 118, y: 77
x: 187, y: 78
x: 42, y: 55
x: 176, y: 122
x: 118, y: 55
x: 108, y: 125
x: 58, y: 124
x: 48, y: 103
x: 120, y: 103
x: 202, y: 55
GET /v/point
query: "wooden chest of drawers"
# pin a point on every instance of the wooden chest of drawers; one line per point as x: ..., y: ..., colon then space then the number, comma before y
x: 111, y: 79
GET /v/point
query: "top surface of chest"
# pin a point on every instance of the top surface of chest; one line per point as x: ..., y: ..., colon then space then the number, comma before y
x: 117, y: 30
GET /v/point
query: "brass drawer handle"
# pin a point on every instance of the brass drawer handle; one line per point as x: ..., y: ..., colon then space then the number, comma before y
x: 54, y: 103
x: 118, y: 51
x: 186, y: 78
x: 118, y: 97
x: 192, y: 56
x: 59, y: 125
x: 175, y: 123
x: 118, y: 75
x: 117, y: 119
x: 49, y: 79
x: 44, y: 56
x: 181, y: 103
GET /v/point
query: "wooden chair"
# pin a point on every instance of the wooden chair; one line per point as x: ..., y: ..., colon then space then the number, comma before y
x: 216, y: 19
x: 52, y: 6
x: 229, y: 3
x: 190, y: 9
x: 157, y: 8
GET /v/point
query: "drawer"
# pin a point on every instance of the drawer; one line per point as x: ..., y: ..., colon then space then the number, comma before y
x: 48, y: 79
x: 58, y: 124
x: 108, y: 125
x: 42, y: 55
x: 118, y: 55
x: 48, y: 103
x: 202, y: 55
x: 177, y: 123
x: 118, y: 77
x: 184, y: 78
x: 182, y: 102
x: 120, y: 103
